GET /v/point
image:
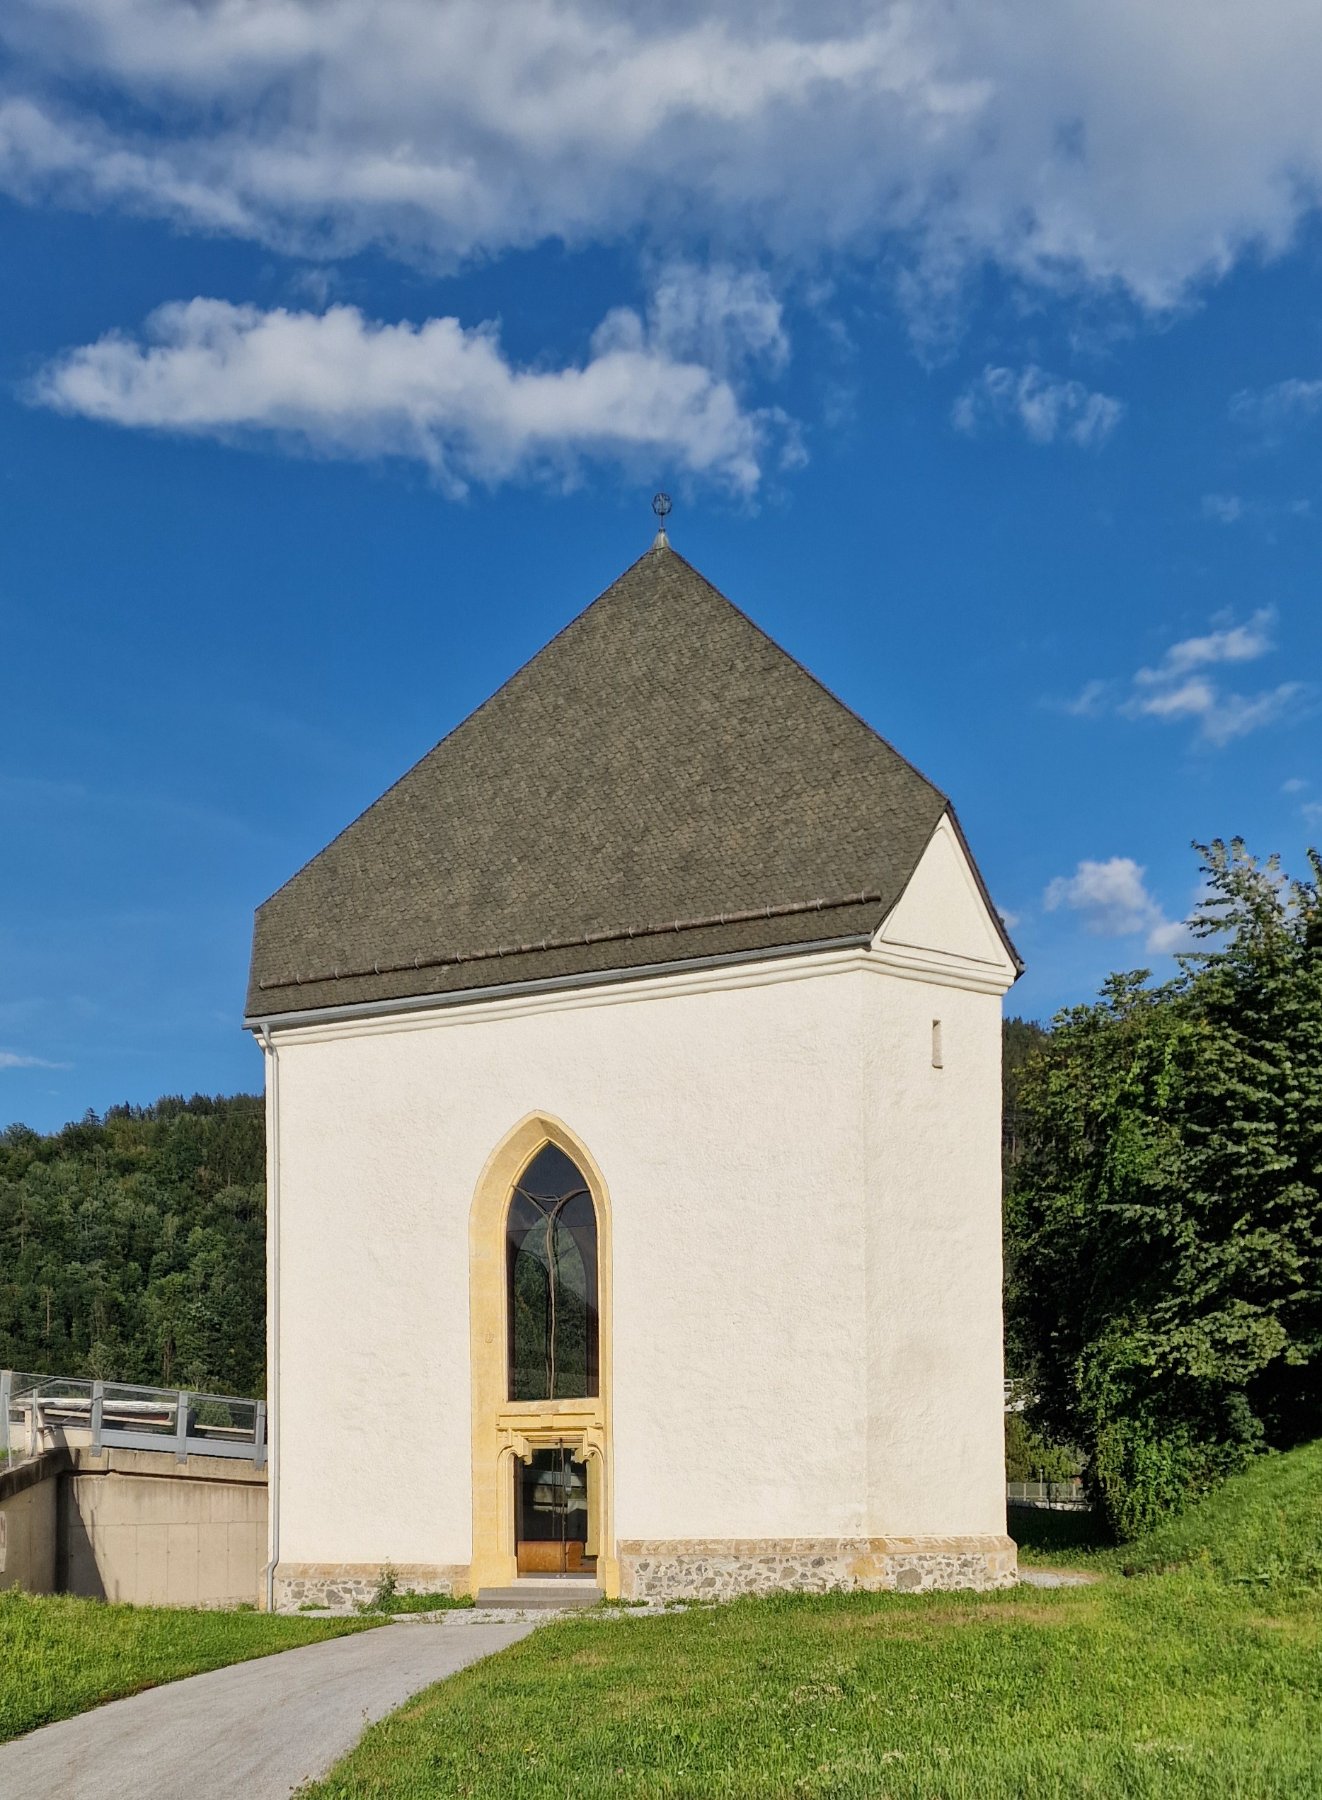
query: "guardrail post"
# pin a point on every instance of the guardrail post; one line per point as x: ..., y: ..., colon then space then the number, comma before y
x: 98, y: 1403
x: 181, y: 1430
x: 259, y: 1436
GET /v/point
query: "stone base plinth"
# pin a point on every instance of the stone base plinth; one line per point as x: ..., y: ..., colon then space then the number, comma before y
x: 720, y: 1568
x: 355, y: 1584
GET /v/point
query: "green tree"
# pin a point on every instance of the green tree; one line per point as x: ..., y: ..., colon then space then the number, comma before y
x: 1165, y: 1211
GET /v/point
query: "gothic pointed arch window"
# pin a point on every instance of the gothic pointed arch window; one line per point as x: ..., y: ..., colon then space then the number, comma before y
x: 551, y: 1281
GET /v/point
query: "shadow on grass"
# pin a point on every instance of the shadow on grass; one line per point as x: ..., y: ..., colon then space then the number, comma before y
x: 1046, y: 1536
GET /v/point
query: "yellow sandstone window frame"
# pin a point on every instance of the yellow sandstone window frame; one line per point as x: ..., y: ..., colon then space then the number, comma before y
x: 502, y: 1428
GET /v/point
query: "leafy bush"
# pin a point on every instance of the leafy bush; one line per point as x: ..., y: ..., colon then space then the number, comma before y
x: 1029, y: 1457
x: 1263, y: 1528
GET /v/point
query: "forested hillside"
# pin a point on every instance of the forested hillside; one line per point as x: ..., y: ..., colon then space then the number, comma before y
x: 133, y: 1246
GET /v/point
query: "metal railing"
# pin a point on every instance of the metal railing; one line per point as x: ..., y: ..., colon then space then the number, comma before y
x: 1068, y: 1495
x: 41, y: 1412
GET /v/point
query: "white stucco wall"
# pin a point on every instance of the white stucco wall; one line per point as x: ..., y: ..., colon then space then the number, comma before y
x: 935, y: 1385
x: 936, y: 1354
x: 806, y: 1252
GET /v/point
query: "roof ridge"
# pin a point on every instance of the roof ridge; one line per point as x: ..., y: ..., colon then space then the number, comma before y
x: 803, y: 670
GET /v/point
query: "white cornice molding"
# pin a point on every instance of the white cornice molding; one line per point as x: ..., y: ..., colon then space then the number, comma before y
x: 913, y: 962
x: 612, y: 988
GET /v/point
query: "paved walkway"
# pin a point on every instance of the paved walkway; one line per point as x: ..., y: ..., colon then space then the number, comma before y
x: 254, y: 1731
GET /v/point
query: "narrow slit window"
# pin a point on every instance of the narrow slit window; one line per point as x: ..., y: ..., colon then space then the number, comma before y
x: 938, y: 1060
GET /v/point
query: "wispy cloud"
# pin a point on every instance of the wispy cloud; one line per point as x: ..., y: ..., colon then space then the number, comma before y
x: 1045, y: 406
x: 1178, y: 687
x: 1186, y: 686
x: 338, y: 384
x: 1112, y: 900
x: 1229, y: 644
x: 1273, y: 408
x: 16, y: 1059
x: 1226, y: 509
x: 1092, y: 700
x: 1235, y: 509
x: 1221, y: 717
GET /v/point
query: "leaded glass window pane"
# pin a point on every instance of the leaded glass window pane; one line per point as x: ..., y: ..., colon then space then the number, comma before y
x: 551, y: 1271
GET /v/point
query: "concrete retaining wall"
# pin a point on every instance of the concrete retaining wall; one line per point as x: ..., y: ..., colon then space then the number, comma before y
x: 135, y: 1525
x: 29, y: 1536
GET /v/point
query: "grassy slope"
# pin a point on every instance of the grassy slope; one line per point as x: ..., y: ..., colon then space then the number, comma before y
x: 1264, y: 1528
x: 1191, y: 1682
x: 59, y: 1655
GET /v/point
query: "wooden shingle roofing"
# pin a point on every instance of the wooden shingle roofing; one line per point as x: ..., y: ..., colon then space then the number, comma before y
x: 661, y: 783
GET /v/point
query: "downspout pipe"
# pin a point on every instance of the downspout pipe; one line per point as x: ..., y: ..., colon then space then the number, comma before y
x: 272, y: 1307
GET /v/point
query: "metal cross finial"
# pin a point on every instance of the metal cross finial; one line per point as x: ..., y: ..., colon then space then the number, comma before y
x: 661, y: 507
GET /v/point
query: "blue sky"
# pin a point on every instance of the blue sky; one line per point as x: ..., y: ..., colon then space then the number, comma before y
x: 342, y: 348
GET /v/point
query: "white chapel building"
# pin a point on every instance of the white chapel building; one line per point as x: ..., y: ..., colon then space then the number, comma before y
x: 633, y: 1103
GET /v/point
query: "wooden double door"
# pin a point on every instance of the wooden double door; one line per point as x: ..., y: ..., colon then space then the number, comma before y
x: 551, y: 1525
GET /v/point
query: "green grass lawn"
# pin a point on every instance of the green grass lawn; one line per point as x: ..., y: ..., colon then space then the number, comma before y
x: 1203, y: 1677
x: 59, y: 1655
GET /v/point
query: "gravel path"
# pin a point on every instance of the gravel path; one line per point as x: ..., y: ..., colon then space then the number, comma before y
x: 254, y: 1731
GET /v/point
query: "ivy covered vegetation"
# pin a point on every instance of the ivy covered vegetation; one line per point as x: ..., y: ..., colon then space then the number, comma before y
x: 132, y: 1247
x: 1164, y: 1216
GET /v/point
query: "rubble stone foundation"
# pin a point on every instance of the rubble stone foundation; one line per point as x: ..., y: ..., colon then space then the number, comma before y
x: 718, y: 1569
x: 355, y: 1584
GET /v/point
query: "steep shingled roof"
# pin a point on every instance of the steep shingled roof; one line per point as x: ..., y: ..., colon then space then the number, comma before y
x: 661, y: 763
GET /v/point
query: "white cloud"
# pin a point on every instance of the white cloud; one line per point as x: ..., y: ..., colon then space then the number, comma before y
x: 1116, y: 145
x: 1312, y: 812
x: 1273, y: 408
x: 341, y: 385
x: 1230, y: 644
x: 1226, y: 509
x: 1091, y: 701
x: 1170, y: 937
x: 721, y: 317
x: 1110, y: 895
x: 1180, y: 687
x: 1045, y: 406
x: 13, y: 1059
x: 1295, y: 785
x: 1224, y: 717
x: 1113, y: 900
x: 1234, y: 509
